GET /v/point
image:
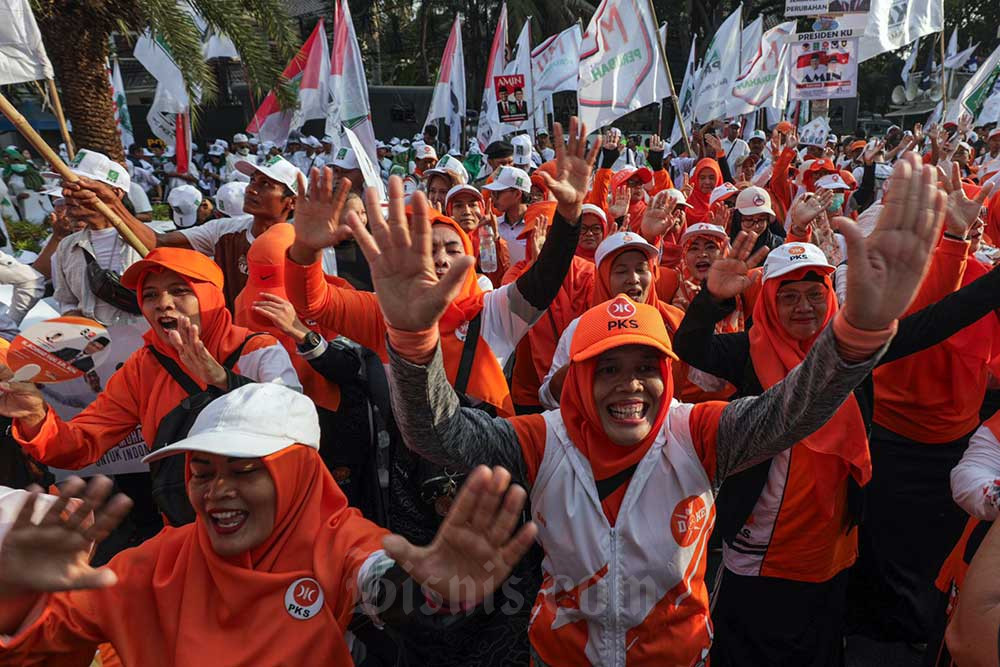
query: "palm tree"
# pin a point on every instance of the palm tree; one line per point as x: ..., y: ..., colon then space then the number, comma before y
x: 77, y: 35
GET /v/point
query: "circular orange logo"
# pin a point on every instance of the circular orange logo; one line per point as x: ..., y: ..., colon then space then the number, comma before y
x: 796, y: 250
x: 304, y: 598
x: 688, y: 520
x: 621, y: 308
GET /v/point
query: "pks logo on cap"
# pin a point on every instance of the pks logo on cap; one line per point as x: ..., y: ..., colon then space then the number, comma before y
x: 621, y: 308
x: 518, y: 181
x: 112, y: 176
x: 758, y: 201
x: 78, y: 159
x: 273, y: 160
x: 796, y: 250
x: 304, y: 598
x: 342, y: 153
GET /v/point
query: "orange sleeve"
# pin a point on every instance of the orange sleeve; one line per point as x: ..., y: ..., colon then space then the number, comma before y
x: 513, y: 273
x: 355, y: 315
x: 599, y: 190
x: 792, y: 237
x: 781, y: 188
x: 945, y: 274
x: 81, y: 441
x: 661, y: 181
x: 704, y: 425
x: 530, y: 430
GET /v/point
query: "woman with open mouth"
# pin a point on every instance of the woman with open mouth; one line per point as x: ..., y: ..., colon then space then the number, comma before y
x: 271, y: 571
x: 622, y: 479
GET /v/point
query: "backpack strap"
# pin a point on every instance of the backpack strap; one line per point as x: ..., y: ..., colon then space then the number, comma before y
x: 238, y: 352
x: 183, y: 379
x: 468, y: 353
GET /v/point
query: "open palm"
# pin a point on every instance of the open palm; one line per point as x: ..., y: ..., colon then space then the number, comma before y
x: 729, y: 276
x: 573, y: 167
x: 318, y: 208
x: 657, y: 219
x: 962, y: 211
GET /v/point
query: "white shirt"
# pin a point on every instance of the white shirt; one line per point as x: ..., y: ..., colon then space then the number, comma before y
x: 139, y: 199
x: 516, y: 247
x: 735, y: 149
x: 69, y: 273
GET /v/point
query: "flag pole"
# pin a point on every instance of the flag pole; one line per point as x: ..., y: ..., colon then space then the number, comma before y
x: 944, y: 80
x: 670, y: 81
x: 531, y: 80
x: 57, y: 106
x: 29, y: 133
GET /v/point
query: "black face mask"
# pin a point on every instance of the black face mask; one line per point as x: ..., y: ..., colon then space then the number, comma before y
x: 107, y: 286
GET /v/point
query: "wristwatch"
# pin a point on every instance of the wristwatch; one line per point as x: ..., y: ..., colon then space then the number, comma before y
x: 311, y: 342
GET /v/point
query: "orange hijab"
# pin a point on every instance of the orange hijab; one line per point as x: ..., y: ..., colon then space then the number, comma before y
x: 266, y: 268
x: 840, y: 446
x: 689, y: 286
x: 698, y: 200
x: 197, y: 608
x: 672, y: 315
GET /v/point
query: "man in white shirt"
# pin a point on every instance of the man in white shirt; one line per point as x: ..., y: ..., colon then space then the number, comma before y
x: 989, y: 162
x: 511, y: 192
x: 734, y: 147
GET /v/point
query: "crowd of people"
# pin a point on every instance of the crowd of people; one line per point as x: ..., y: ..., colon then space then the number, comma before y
x: 579, y: 398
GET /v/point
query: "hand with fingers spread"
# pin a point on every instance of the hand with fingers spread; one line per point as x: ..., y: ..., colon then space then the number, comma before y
x: 317, y: 215
x: 538, y: 234
x: 687, y: 189
x: 656, y: 144
x: 792, y: 139
x: 573, y: 166
x: 729, y: 276
x: 399, y: 253
x: 807, y: 208
x: 55, y: 554
x: 612, y: 142
x: 886, y: 269
x: 282, y: 315
x: 476, y: 546
x: 714, y: 145
x: 962, y: 211
x: 618, y: 206
x: 872, y: 150
x: 186, y: 339
x: 658, y: 218
x: 721, y: 217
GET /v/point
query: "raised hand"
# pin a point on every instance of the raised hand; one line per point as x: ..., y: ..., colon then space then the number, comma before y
x: 475, y: 548
x: 186, y: 339
x: 918, y: 133
x: 538, y: 234
x: 317, y: 215
x: 688, y: 189
x: 573, y: 166
x: 806, y: 208
x: 656, y: 144
x: 281, y: 314
x: 713, y: 143
x: 618, y: 206
x: 792, y: 140
x: 872, y: 150
x: 962, y: 212
x: 411, y: 296
x: 657, y: 220
x: 612, y: 141
x: 721, y: 217
x: 55, y: 554
x: 885, y: 270
x: 730, y: 276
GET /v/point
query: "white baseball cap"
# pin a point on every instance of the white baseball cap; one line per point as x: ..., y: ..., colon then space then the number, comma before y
x: 595, y: 210
x: 241, y: 138
x: 757, y: 134
x: 461, y: 189
x: 789, y: 257
x: 252, y: 421
x: 399, y: 149
x: 99, y: 167
x: 424, y: 152
x: 229, y: 198
x: 216, y: 150
x: 345, y: 158
x: 831, y: 138
x: 754, y: 200
x: 276, y: 168
x: 832, y: 182
x: 619, y: 240
x: 679, y: 197
x: 522, y: 150
x: 995, y: 132
x: 704, y: 229
x: 452, y: 167
x: 184, y: 201
x: 510, y: 177
x: 722, y: 193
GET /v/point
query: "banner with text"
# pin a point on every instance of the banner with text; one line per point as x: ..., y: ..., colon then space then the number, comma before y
x: 824, y: 66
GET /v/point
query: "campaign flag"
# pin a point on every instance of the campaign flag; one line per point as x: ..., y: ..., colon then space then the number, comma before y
x: 823, y: 69
x: 305, y: 72
x: 619, y: 62
x: 750, y: 42
x: 22, y: 54
x: 991, y: 110
x: 983, y: 85
x: 348, y: 86
x: 892, y: 24
x: 910, y: 61
x: 517, y: 100
x: 719, y: 70
x: 685, y: 97
x: 952, y: 49
x: 488, y: 130
x: 959, y: 59
x: 757, y: 84
x: 554, y: 64
x: 123, y: 121
x: 171, y: 100
x: 448, y: 102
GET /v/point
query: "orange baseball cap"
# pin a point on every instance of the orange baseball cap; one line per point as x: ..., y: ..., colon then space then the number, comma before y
x: 188, y: 263
x: 784, y: 127
x: 617, y: 322
x: 543, y: 210
x: 855, y: 145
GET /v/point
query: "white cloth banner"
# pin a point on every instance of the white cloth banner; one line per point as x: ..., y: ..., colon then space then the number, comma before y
x: 757, y: 84
x: 910, y: 61
x: 892, y: 24
x: 349, y: 105
x: 618, y: 63
x: 154, y: 54
x: 123, y: 121
x: 555, y: 64
x: 488, y: 129
x: 448, y: 101
x: 685, y: 97
x: 719, y: 70
x: 991, y: 110
x: 823, y: 67
x: 959, y: 59
x: 750, y: 42
x: 22, y: 54
x: 314, y: 84
x: 983, y: 85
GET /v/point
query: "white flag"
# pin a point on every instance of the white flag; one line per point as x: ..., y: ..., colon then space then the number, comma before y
x: 959, y: 59
x: 448, y: 102
x: 554, y: 64
x: 618, y: 63
x: 910, y: 60
x: 489, y: 113
x: 371, y: 175
x: 892, y: 24
x: 154, y: 54
x: 720, y: 69
x: 685, y: 97
x: 991, y: 110
x: 22, y: 54
x: 521, y: 65
x: 952, y: 49
x: 756, y: 86
x: 981, y: 87
x: 123, y: 121
x: 750, y: 43
x: 348, y: 87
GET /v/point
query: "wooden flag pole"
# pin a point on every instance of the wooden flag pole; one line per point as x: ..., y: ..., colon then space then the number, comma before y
x: 670, y: 80
x: 19, y: 122
x: 57, y: 105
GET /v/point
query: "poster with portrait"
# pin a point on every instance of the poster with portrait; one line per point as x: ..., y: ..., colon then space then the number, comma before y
x: 824, y: 66
x: 58, y: 350
x: 511, y: 105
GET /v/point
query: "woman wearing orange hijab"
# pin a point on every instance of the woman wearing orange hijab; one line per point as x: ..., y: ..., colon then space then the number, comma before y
x: 269, y: 573
x: 706, y: 176
x: 620, y: 462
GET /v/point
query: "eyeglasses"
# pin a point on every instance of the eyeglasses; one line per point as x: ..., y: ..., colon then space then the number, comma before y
x: 753, y: 221
x: 790, y: 299
x: 595, y: 230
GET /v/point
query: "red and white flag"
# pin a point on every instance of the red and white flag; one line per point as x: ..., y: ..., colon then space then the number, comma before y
x: 448, y: 102
x: 349, y: 105
x: 489, y: 113
x: 305, y: 71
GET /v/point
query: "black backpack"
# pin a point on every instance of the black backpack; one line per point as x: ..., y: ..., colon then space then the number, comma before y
x: 169, y: 488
